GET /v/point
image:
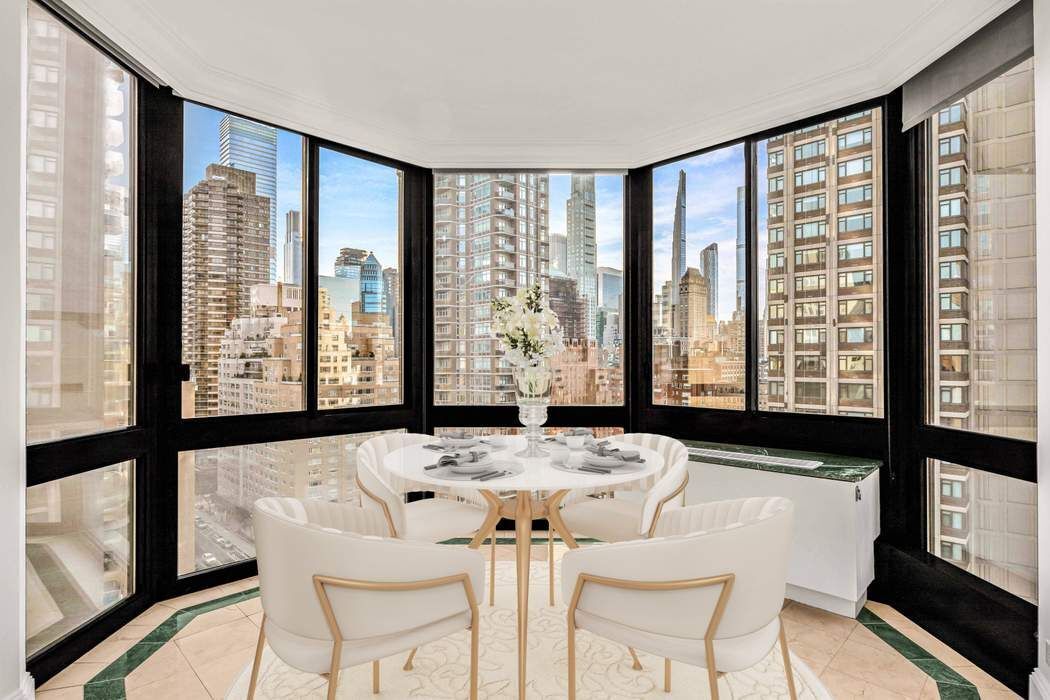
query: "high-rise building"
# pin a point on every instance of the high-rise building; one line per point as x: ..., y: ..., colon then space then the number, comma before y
x: 610, y: 287
x: 678, y: 239
x: 581, y: 236
x: 741, y: 248
x: 392, y: 302
x: 823, y: 270
x: 569, y: 307
x: 694, y: 316
x: 349, y: 261
x: 490, y: 239
x: 709, y: 269
x: 982, y: 331
x: 251, y: 146
x: 559, y: 248
x: 293, y: 248
x: 225, y: 251
x: 372, y: 299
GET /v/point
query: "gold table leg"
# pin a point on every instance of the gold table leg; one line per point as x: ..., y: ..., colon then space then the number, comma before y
x: 553, y: 504
x: 523, y: 546
x: 491, y: 520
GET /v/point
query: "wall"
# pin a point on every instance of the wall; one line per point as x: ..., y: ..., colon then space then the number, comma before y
x: 14, y: 683
x: 1040, y: 682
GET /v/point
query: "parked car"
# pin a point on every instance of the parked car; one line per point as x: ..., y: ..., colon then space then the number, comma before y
x: 210, y: 559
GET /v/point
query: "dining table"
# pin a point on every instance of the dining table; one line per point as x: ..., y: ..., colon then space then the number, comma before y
x: 530, y: 488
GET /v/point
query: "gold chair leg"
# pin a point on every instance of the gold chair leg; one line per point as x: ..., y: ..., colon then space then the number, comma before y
x: 474, y: 657
x: 333, y: 671
x: 492, y: 569
x: 667, y: 675
x: 258, y: 658
x: 637, y: 665
x: 572, y: 657
x: 408, y: 661
x: 787, y: 661
x: 375, y: 677
x: 550, y: 562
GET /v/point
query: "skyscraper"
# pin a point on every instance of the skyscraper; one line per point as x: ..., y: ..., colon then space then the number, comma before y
x: 581, y: 235
x: 678, y: 260
x: 709, y: 269
x: 610, y: 287
x: 741, y: 241
x: 392, y: 302
x: 559, y: 254
x: 225, y: 250
x: 569, y: 307
x: 251, y: 146
x: 372, y: 300
x: 293, y: 248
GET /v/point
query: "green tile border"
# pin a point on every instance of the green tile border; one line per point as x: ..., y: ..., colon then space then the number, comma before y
x: 950, y: 685
x: 108, y: 684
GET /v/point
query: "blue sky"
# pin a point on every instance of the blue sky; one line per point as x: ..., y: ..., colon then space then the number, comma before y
x: 711, y: 183
x: 608, y: 211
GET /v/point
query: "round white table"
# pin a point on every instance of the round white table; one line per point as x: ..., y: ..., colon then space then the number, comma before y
x: 405, y: 469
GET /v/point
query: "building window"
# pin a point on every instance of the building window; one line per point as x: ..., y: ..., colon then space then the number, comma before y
x: 812, y: 149
x: 810, y: 283
x: 813, y: 176
x: 951, y: 207
x: 776, y: 158
x: 949, y: 177
x: 853, y: 139
x: 856, y: 222
x: 953, y: 269
x: 950, y: 115
x: 952, y: 238
x: 810, y: 311
x: 776, y: 184
x: 952, y: 301
x: 950, y: 146
x: 855, y: 278
x: 811, y: 393
x: 855, y: 195
x: 856, y: 363
x: 812, y: 229
x: 699, y: 287
x: 776, y: 260
x: 855, y: 251
x: 776, y: 209
x: 776, y: 235
x: 953, y: 332
x: 810, y: 204
x: 855, y: 307
x: 855, y: 335
x: 242, y: 266
x: 856, y: 166
x: 810, y: 256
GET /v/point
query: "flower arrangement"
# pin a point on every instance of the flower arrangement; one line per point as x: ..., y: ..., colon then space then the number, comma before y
x: 526, y: 327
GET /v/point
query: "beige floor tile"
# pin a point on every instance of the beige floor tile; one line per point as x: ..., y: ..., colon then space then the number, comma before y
x: 165, y: 662
x: 242, y: 585
x: 843, y: 686
x: 831, y: 624
x: 218, y: 675
x: 153, y: 616
x: 938, y: 649
x: 117, y: 643
x: 219, y: 641
x: 181, y: 686
x: 230, y: 613
x: 77, y: 673
x: 930, y: 691
x: 256, y: 619
x: 250, y: 607
x: 814, y: 645
x: 987, y: 686
x: 189, y: 599
x: 883, y: 667
x: 74, y: 692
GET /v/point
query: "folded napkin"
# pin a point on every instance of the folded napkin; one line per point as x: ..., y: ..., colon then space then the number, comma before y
x: 456, y: 435
x: 601, y: 450
x: 457, y: 460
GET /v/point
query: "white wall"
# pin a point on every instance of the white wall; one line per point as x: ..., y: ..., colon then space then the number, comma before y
x: 1040, y: 685
x: 14, y: 683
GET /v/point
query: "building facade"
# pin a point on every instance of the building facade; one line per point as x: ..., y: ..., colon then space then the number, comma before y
x: 293, y: 248
x: 251, y: 146
x: 581, y: 236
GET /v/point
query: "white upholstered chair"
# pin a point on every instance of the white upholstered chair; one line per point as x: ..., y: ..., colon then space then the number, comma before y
x: 632, y: 516
x: 707, y: 590
x: 336, y: 594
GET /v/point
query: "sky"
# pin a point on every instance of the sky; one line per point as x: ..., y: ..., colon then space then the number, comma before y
x: 608, y: 214
x: 711, y: 181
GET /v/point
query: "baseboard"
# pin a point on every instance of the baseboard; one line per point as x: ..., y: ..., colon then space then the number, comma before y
x: 1039, y: 685
x: 826, y: 601
x: 27, y: 690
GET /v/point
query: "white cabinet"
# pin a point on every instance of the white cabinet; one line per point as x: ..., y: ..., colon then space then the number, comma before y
x: 836, y: 522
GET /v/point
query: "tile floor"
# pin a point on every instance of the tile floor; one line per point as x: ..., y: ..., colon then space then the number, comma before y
x: 883, y: 655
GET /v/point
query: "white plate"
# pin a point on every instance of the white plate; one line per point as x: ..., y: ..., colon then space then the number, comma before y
x: 459, y: 442
x: 473, y: 467
x: 574, y: 468
x: 512, y: 467
x: 597, y: 461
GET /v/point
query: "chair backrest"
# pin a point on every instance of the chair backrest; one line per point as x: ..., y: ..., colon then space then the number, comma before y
x: 665, y: 495
x: 370, y: 456
x: 291, y: 548
x: 749, y: 538
x: 670, y: 449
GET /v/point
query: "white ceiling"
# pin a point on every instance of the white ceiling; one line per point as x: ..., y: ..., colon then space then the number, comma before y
x: 535, y: 83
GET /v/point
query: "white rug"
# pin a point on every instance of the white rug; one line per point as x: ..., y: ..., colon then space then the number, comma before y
x: 603, y: 667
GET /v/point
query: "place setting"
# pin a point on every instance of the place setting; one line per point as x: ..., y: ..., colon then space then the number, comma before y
x: 453, y: 441
x: 598, y: 458
x: 472, y: 465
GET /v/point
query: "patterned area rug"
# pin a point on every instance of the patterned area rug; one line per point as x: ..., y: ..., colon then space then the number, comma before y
x: 603, y: 668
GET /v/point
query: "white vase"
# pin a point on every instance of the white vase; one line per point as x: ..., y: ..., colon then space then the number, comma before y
x: 533, y: 388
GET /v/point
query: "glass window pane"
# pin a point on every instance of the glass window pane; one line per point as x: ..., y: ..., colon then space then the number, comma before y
x: 495, y: 233
x: 359, y: 320
x: 699, y: 279
x: 831, y: 281
x: 242, y: 265
x: 982, y: 275
x: 80, y: 279
x: 985, y: 523
x: 80, y: 535
x: 219, y: 486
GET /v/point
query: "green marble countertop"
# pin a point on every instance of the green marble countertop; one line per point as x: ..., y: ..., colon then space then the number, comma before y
x: 836, y: 467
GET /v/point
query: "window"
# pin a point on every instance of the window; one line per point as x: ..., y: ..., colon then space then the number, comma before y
x: 849, y: 249
x: 994, y: 128
x: 80, y: 231
x: 699, y: 286
x: 811, y: 393
x: 855, y: 195
x: 776, y: 311
x: 360, y: 324
x: 776, y: 235
x: 218, y: 487
x: 953, y: 396
x: 856, y: 222
x: 242, y: 293
x: 776, y: 209
x: 810, y: 204
x: 853, y: 139
x: 776, y: 184
x: 776, y: 260
x: 856, y: 363
x: 496, y: 233
x: 810, y: 336
x: 986, y: 524
x: 812, y: 229
x: 79, y: 550
x: 810, y: 150
x: 811, y: 365
x: 855, y: 251
x: 776, y: 158
x: 813, y: 176
x: 856, y: 166
x: 856, y: 394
